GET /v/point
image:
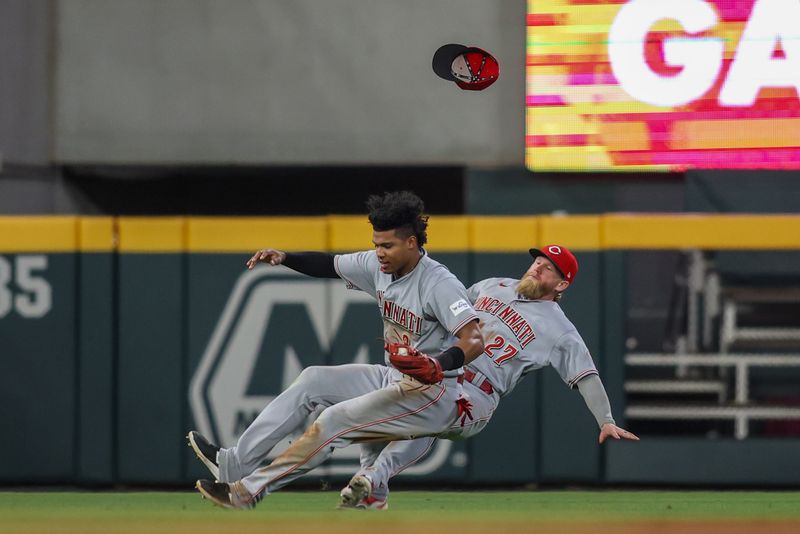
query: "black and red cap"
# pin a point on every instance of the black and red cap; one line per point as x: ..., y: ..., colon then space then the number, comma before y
x: 562, y: 258
x: 472, y: 68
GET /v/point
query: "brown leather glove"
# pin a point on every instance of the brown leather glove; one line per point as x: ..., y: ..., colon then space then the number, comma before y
x: 411, y: 362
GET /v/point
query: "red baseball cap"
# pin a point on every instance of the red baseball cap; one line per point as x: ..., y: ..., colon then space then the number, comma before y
x: 472, y: 68
x: 563, y: 259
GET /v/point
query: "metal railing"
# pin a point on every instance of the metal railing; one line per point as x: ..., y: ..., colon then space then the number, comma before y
x: 741, y: 412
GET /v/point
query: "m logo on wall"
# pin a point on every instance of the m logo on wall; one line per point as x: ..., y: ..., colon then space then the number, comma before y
x: 274, y: 324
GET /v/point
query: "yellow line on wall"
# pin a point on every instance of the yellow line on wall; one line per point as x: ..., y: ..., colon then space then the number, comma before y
x: 503, y: 234
x: 152, y: 234
x: 248, y: 234
x: 97, y: 234
x: 349, y: 233
x: 448, y: 233
x: 714, y: 232
x: 576, y: 232
x: 244, y: 235
x: 38, y: 234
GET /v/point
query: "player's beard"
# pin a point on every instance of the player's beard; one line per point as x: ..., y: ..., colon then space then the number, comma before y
x: 531, y: 288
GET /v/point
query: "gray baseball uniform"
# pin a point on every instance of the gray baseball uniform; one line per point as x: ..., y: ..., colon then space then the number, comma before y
x: 364, y: 403
x: 520, y: 336
x: 524, y: 335
x: 424, y: 308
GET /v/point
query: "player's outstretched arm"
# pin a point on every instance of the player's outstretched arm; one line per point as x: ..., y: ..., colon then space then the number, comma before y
x: 316, y: 264
x: 610, y: 430
x: 596, y: 399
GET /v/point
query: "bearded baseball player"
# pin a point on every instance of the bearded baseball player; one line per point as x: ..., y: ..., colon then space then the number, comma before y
x: 425, y: 310
x: 524, y: 329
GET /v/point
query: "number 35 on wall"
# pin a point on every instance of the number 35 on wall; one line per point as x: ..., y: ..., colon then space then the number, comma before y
x: 21, y: 289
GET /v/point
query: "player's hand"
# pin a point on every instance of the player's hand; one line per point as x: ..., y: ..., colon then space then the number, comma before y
x: 610, y: 430
x: 266, y: 255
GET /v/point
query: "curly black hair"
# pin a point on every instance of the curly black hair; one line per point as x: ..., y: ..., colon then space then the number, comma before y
x: 400, y: 211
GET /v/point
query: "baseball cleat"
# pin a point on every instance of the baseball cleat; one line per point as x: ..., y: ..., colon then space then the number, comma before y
x: 218, y: 493
x: 373, y: 503
x: 357, y: 495
x: 205, y: 450
x: 232, y: 496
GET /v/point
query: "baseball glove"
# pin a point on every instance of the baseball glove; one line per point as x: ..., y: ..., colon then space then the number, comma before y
x: 411, y: 362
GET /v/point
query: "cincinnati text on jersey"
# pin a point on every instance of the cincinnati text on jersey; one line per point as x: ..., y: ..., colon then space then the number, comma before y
x: 515, y: 322
x: 402, y: 317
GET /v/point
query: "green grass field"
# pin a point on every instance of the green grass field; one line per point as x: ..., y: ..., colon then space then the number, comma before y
x: 731, y: 512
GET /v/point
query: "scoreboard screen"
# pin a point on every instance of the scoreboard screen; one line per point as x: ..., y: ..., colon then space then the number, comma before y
x: 662, y: 85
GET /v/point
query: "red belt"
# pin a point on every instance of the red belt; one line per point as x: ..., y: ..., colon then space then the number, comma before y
x: 484, y: 386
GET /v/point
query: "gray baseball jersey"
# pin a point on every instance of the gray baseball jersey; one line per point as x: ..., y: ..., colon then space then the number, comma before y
x: 424, y: 309
x: 523, y: 335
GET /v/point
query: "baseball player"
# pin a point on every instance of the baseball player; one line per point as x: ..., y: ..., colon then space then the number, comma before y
x: 524, y: 329
x: 425, y: 310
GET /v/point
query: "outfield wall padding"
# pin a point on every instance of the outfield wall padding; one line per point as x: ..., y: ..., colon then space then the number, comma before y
x: 153, y: 326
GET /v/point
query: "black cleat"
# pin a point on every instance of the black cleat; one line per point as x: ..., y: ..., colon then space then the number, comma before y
x: 217, y: 492
x: 205, y: 450
x: 222, y: 495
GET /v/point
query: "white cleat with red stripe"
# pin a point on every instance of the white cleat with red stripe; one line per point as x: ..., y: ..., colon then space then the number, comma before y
x: 357, y: 496
x: 372, y: 503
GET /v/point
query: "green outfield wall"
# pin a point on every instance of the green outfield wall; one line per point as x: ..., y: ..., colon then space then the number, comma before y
x: 117, y: 335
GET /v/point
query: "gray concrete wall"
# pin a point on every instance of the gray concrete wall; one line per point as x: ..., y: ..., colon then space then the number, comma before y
x: 278, y: 81
x: 25, y: 81
x: 38, y: 190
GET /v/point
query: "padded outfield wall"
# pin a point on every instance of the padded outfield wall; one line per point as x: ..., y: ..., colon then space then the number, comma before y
x: 120, y: 334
